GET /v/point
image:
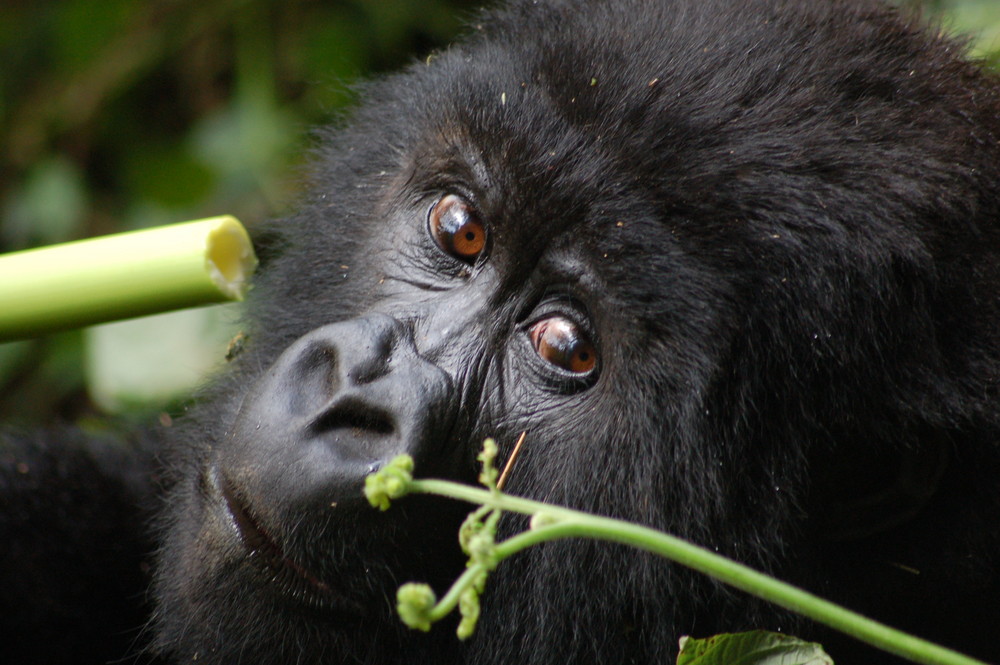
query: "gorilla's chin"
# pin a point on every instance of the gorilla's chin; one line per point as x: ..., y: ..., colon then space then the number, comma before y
x: 268, y: 556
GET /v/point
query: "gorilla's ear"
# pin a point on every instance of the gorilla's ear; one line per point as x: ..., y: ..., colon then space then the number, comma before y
x: 851, y: 510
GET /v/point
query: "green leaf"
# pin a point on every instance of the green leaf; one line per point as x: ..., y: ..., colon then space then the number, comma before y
x: 83, y: 28
x: 757, y: 647
x: 49, y: 206
x: 152, y: 360
x: 168, y: 175
x: 245, y: 142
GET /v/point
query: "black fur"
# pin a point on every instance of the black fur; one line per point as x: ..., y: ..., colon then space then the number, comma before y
x: 74, y: 557
x: 777, y: 220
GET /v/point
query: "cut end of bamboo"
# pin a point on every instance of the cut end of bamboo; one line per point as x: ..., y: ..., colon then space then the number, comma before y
x: 123, y: 276
x: 230, y: 258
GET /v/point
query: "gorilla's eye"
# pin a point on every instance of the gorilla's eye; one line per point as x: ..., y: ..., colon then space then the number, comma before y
x: 562, y: 343
x: 456, y: 228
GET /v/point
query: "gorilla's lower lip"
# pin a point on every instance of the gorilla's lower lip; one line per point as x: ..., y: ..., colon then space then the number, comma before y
x: 262, y: 547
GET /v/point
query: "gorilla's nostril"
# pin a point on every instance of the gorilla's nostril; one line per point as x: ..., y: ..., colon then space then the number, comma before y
x: 311, y: 380
x: 354, y: 414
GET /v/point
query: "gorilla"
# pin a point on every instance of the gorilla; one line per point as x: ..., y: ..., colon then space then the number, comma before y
x: 733, y: 266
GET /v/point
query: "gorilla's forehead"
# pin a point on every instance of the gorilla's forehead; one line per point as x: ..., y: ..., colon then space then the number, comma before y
x: 725, y: 150
x: 576, y: 130
x: 702, y: 101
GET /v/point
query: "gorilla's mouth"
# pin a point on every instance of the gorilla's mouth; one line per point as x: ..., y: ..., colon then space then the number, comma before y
x: 266, y: 553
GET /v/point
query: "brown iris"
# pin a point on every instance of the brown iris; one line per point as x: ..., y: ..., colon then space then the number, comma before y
x: 457, y: 229
x: 561, y: 342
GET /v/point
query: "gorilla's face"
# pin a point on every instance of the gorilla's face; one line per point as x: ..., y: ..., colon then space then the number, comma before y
x: 668, y: 262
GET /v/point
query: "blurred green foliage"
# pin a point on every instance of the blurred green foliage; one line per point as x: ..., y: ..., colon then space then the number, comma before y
x: 118, y: 114
x: 126, y: 113
x: 978, y: 19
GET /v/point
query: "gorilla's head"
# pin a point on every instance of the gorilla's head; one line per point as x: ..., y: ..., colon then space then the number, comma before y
x: 731, y: 265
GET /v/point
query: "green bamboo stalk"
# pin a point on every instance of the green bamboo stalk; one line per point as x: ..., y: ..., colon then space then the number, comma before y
x: 122, y: 276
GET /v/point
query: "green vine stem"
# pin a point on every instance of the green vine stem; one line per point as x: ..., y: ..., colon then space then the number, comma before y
x: 448, y: 602
x: 554, y: 522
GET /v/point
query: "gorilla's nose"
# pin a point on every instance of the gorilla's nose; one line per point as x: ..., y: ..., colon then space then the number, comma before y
x: 337, y: 404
